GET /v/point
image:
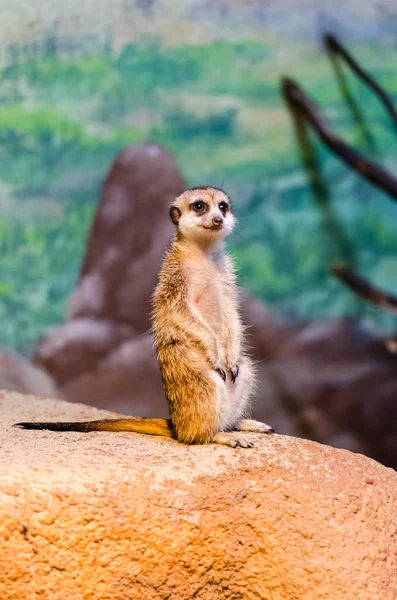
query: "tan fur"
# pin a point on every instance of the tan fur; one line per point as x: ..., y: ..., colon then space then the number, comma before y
x: 207, y: 375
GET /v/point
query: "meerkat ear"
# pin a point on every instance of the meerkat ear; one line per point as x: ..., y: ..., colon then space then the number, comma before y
x: 175, y: 214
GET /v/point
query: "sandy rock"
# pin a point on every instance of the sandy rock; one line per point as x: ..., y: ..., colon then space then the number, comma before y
x: 120, y: 516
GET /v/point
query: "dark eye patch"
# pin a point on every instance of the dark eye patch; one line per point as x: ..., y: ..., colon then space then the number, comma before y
x: 224, y: 207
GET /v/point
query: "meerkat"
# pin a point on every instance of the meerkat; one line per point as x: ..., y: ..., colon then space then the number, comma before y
x: 207, y: 374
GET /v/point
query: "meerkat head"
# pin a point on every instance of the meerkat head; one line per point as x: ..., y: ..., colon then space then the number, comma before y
x: 204, y: 214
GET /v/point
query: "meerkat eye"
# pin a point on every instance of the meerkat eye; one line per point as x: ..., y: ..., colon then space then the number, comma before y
x: 198, y: 206
x: 223, y: 207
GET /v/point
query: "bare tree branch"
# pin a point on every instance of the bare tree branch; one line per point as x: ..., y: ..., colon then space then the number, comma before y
x: 332, y: 226
x: 365, y: 290
x: 308, y: 111
x: 333, y: 45
x: 364, y: 167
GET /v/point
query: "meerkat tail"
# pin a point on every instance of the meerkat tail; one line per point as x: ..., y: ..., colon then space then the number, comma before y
x: 147, y: 426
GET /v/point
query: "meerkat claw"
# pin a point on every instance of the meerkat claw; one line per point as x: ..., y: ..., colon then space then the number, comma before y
x: 245, y: 444
x: 234, y: 371
x: 232, y: 439
x: 221, y: 373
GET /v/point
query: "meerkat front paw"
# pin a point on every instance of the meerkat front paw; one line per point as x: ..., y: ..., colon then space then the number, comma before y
x: 234, y: 371
x: 232, y: 439
x: 219, y: 370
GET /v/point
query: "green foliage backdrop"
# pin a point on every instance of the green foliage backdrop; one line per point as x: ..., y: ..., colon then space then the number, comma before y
x: 67, y: 109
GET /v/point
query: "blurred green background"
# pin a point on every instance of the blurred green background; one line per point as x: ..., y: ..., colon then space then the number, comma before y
x: 78, y: 82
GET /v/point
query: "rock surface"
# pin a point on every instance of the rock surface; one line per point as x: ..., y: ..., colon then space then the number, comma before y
x: 120, y: 516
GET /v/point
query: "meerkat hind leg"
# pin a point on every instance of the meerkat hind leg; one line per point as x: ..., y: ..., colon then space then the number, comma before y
x: 233, y: 439
x: 253, y: 426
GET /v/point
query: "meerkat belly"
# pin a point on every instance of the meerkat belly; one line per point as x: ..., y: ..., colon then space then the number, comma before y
x: 208, y: 303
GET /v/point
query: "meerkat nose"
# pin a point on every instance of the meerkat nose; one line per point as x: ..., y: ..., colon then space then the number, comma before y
x: 217, y: 221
